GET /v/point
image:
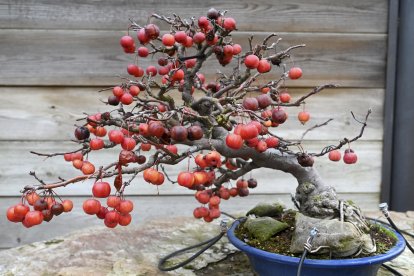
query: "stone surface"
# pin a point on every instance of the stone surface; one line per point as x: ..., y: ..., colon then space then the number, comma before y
x: 264, y: 227
x: 121, y: 251
x: 343, y: 238
x: 266, y: 210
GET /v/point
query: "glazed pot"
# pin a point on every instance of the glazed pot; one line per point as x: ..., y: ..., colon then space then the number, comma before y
x: 268, y: 264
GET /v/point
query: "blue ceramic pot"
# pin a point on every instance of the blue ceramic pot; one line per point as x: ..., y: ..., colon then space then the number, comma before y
x: 268, y: 264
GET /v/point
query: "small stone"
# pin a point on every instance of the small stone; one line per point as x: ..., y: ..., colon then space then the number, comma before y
x: 342, y: 238
x: 267, y: 210
x: 264, y: 227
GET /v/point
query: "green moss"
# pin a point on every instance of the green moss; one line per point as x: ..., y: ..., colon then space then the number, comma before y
x: 53, y: 242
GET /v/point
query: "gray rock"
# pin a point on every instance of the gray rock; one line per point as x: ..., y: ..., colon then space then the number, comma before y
x: 341, y: 239
x: 265, y: 227
x: 267, y: 210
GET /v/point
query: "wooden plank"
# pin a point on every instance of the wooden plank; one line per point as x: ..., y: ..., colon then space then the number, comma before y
x: 16, y: 162
x: 369, y: 16
x: 50, y: 113
x: 146, y: 210
x: 85, y: 58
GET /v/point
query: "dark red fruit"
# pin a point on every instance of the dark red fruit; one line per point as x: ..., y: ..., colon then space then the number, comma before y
x: 82, y: 133
x: 305, y: 160
x: 264, y: 100
x: 57, y: 209
x: 179, y: 133
x: 252, y: 183
x: 279, y: 116
x: 350, y: 157
x: 251, y: 104
x: 195, y: 133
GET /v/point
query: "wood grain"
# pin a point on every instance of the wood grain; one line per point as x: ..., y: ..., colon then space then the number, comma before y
x: 85, y: 58
x: 369, y: 16
x: 17, y: 162
x: 49, y: 113
x: 146, y: 209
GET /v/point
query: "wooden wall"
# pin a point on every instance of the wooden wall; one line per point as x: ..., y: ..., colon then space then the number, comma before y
x: 55, y: 55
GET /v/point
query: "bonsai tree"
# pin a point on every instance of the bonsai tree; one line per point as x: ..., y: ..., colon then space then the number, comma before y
x: 227, y: 129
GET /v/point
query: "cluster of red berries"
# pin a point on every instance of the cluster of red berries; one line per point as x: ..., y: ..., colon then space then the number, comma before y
x: 117, y: 210
x: 350, y: 156
x: 213, y: 198
x: 43, y: 209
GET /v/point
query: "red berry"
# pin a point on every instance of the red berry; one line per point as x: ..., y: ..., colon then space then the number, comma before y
x: 241, y: 183
x: 145, y: 147
x: 334, y: 155
x: 134, y: 90
x: 279, y: 115
x: 102, y: 212
x: 96, y: 144
x: 303, y: 117
x: 67, y: 205
x: 251, y: 104
x: 11, y: 216
x: 142, y: 36
x: 203, y: 22
x: 234, y: 141
x: 111, y: 219
x: 264, y: 100
x: 180, y: 37
x: 185, y: 179
x: 264, y: 66
x: 124, y: 219
x: 127, y: 41
x: 118, y: 91
x: 126, y: 99
x: 272, y: 142
x: 143, y: 51
x: 20, y: 210
x: 116, y: 136
x: 152, y: 31
x: 179, y: 133
x: 295, y: 73
x: 87, y: 168
x: 91, y: 206
x: 101, y: 189
x: 236, y: 49
x: 151, y: 71
x: 113, y: 201
x: 350, y: 157
x: 33, y: 218
x: 284, y: 97
x: 251, y: 61
x: 125, y: 206
x: 229, y: 24
x: 168, y: 40
x: 199, y: 38
x: 135, y: 71
x: 261, y: 146
x: 172, y: 148
x: 248, y: 132
x: 128, y: 143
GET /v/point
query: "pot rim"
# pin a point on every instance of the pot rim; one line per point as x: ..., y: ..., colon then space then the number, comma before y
x: 274, y: 257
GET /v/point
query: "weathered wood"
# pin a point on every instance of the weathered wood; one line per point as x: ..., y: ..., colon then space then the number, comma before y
x: 49, y: 113
x: 263, y: 15
x: 146, y: 208
x: 84, y: 58
x: 17, y: 162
